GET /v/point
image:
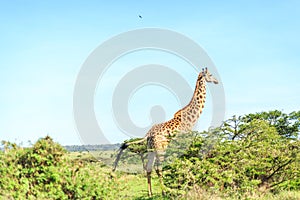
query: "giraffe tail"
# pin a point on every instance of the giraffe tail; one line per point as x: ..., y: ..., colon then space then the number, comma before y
x: 122, y: 148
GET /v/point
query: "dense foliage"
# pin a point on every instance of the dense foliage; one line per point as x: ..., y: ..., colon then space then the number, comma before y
x: 247, y: 155
x: 45, y: 171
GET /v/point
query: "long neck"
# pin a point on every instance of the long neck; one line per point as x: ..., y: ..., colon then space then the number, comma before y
x: 191, y: 112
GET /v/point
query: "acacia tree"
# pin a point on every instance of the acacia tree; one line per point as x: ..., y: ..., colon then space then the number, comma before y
x: 250, y: 153
x: 287, y: 125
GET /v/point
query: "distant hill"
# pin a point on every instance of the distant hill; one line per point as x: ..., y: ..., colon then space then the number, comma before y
x: 73, y: 148
x: 102, y: 147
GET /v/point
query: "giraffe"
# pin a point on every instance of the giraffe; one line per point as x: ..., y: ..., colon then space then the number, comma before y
x: 159, y: 136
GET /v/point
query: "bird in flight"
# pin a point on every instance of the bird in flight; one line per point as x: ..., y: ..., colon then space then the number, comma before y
x: 140, y: 16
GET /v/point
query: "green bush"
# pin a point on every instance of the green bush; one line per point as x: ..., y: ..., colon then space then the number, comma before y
x: 241, y: 158
x: 45, y: 171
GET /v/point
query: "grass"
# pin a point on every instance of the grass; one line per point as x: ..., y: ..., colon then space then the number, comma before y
x: 287, y: 195
x: 136, y: 187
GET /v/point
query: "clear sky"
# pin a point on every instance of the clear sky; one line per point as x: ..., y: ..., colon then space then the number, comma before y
x: 255, y: 46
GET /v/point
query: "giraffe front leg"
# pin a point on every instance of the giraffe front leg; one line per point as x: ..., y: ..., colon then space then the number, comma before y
x: 149, y: 166
x: 158, y: 168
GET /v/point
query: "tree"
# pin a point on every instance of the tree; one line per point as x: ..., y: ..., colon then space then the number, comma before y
x: 248, y: 155
x: 287, y: 125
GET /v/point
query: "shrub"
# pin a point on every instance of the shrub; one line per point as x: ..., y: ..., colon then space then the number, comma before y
x: 45, y: 171
x: 258, y: 159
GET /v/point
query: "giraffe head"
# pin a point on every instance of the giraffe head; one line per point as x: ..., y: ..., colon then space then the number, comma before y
x: 208, y: 76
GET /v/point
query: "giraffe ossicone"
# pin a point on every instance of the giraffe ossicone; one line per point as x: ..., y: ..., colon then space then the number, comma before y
x: 160, y: 135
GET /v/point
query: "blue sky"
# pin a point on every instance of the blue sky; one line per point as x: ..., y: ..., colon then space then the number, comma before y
x: 255, y: 46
